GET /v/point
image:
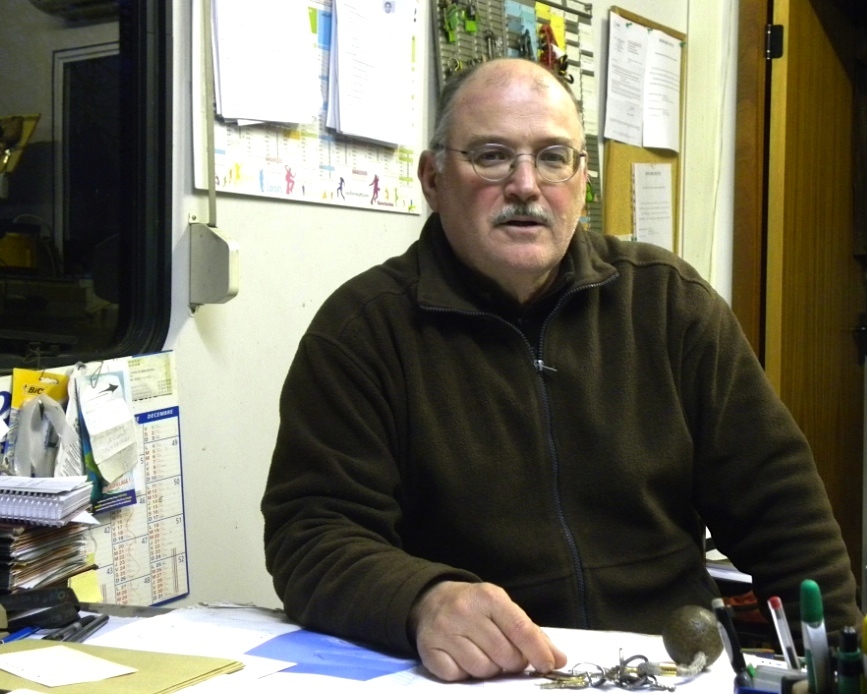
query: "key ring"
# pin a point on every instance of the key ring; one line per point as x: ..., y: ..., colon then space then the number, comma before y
x: 635, y: 673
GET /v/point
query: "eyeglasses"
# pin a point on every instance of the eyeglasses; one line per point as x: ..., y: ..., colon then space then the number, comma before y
x: 493, y: 162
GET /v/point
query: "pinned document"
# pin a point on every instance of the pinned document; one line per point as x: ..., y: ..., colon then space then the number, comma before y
x: 109, y: 424
x: 653, y: 208
x: 371, y: 69
x: 642, y: 106
x: 265, y: 66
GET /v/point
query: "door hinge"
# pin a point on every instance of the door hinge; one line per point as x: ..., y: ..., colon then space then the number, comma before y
x: 773, y: 41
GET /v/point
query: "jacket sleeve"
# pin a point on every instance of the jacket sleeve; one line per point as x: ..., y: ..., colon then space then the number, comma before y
x: 332, y: 504
x: 757, y: 485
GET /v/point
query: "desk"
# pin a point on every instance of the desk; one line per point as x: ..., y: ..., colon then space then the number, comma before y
x: 267, y: 644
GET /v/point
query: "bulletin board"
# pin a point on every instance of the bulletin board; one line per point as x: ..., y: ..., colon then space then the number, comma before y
x: 617, y: 210
x: 307, y: 162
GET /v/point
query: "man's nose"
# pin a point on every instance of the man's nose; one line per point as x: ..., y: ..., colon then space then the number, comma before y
x: 523, y: 180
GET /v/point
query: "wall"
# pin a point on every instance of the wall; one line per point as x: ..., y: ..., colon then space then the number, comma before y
x: 232, y: 358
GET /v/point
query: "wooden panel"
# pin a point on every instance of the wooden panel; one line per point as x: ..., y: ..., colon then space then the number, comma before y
x: 814, y: 286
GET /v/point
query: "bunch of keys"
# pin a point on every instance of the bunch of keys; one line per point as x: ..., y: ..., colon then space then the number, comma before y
x: 630, y: 673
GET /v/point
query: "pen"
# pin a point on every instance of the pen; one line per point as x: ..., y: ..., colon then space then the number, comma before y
x: 732, y: 645
x: 816, y: 650
x: 89, y: 626
x: 849, y: 663
x: 20, y: 634
x: 784, y: 634
x: 64, y: 633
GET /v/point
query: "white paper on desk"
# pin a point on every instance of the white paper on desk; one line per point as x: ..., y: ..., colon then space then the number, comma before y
x: 265, y: 61
x: 662, y: 92
x: 221, y: 632
x: 58, y: 666
x: 231, y: 631
x: 601, y: 647
x: 653, y: 204
x: 627, y: 60
x: 372, y: 41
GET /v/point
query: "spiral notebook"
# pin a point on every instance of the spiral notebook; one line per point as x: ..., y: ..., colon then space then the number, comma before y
x: 43, y: 500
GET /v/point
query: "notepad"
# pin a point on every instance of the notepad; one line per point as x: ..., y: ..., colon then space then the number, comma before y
x: 43, y: 500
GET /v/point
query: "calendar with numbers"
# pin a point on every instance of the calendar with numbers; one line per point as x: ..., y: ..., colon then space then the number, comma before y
x: 140, y: 547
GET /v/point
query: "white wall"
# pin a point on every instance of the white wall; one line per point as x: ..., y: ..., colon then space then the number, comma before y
x: 232, y: 358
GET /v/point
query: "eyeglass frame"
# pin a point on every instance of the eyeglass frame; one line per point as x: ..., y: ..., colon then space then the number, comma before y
x: 468, y: 153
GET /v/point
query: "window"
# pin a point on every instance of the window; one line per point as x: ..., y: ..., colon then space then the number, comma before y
x: 85, y: 180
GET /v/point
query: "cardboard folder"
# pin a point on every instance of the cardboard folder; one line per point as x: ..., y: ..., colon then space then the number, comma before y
x: 156, y: 673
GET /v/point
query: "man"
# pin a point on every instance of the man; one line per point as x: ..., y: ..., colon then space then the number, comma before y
x: 517, y: 424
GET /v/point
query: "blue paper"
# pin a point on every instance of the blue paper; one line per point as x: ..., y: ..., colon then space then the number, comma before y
x: 320, y: 654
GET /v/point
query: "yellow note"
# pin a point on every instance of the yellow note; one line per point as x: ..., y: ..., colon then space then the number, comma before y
x: 86, y: 584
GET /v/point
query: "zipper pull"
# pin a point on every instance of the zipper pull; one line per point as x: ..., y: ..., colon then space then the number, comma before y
x: 541, y: 366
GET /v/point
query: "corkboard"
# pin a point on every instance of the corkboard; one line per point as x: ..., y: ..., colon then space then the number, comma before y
x: 619, y: 158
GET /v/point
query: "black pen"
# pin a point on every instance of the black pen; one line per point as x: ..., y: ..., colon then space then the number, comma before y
x: 87, y: 629
x: 732, y: 644
x: 64, y: 633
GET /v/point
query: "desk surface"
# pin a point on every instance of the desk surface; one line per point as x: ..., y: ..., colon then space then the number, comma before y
x: 280, y: 657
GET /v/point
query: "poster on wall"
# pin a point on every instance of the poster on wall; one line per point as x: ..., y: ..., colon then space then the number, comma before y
x: 312, y: 160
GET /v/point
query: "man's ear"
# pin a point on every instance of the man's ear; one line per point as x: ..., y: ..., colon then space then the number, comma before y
x: 427, y: 176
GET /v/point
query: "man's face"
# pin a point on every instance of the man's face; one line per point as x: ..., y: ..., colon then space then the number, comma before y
x: 491, y: 226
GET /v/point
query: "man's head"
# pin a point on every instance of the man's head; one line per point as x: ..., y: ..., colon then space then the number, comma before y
x: 515, y: 230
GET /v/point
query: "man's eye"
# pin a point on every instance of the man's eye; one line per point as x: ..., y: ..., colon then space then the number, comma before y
x: 558, y: 157
x: 490, y: 157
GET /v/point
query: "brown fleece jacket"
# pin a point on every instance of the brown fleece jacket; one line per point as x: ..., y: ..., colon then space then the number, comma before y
x: 571, y: 453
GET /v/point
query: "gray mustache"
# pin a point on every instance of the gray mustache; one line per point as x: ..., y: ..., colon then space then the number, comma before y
x: 534, y: 212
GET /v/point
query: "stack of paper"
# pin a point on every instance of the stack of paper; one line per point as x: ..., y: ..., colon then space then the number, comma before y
x: 33, y: 557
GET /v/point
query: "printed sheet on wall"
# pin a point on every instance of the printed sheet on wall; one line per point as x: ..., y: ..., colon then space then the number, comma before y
x: 125, y: 422
x: 314, y: 101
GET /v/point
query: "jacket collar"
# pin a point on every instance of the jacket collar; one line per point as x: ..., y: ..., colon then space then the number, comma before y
x: 446, y: 283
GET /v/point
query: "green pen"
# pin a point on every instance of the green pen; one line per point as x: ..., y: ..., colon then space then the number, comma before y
x: 849, y: 667
x: 816, y: 651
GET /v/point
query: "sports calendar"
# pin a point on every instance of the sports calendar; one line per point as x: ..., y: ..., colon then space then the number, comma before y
x: 309, y: 162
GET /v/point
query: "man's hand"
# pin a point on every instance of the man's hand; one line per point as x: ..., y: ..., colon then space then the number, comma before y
x: 467, y: 630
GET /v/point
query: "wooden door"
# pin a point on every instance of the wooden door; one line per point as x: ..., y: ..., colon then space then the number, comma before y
x: 798, y: 285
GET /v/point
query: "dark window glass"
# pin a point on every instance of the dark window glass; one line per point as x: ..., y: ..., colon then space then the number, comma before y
x: 85, y: 237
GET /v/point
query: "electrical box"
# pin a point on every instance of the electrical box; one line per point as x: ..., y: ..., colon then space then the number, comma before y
x: 214, y: 265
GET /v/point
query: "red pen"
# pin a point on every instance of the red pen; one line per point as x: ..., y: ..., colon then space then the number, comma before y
x: 784, y: 634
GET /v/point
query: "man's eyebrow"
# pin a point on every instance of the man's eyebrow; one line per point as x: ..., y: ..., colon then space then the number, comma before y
x: 478, y: 140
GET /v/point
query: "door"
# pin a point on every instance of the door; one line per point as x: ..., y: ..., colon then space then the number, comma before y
x: 798, y: 286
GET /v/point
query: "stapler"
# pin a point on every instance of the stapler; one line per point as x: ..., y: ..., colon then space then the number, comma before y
x: 45, y: 608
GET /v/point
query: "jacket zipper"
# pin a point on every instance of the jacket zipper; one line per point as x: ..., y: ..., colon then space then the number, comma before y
x: 541, y: 369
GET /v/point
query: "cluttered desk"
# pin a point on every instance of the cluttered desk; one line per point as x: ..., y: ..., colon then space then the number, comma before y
x: 227, y: 647
x: 214, y: 648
